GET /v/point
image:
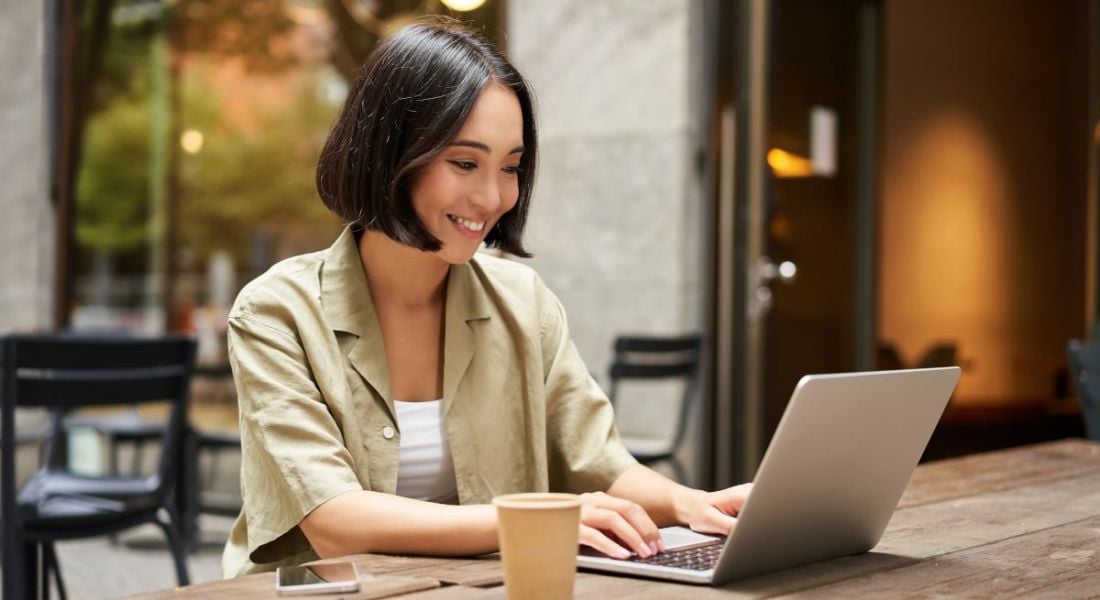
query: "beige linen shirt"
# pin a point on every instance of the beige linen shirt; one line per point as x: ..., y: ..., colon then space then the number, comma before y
x: 520, y: 410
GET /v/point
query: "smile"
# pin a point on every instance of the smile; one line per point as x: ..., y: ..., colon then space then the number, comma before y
x: 473, y: 226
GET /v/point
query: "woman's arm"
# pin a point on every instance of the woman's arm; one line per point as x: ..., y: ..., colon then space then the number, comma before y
x: 362, y: 521
x: 670, y: 503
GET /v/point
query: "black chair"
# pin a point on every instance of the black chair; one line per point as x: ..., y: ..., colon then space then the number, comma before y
x: 64, y: 373
x: 658, y: 358
x: 1084, y: 364
x: 130, y: 428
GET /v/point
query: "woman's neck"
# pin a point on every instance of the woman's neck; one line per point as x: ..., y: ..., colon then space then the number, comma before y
x: 401, y: 276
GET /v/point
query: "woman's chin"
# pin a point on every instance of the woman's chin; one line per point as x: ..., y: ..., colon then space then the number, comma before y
x: 456, y: 256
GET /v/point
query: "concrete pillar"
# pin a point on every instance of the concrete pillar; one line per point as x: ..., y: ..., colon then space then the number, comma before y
x: 27, y: 243
x: 616, y: 221
x: 615, y: 225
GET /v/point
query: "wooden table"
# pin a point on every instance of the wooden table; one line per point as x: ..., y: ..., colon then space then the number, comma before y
x: 1019, y: 522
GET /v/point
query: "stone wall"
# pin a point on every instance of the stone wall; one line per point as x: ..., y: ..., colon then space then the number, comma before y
x: 27, y: 243
x: 615, y: 224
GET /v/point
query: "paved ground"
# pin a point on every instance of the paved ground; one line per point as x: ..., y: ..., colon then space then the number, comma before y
x: 138, y: 562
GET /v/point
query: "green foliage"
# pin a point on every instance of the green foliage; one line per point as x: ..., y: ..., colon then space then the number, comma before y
x: 111, y: 205
x: 113, y: 188
x: 256, y: 175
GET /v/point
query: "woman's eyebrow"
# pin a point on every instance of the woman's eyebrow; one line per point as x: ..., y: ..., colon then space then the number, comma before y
x: 484, y: 148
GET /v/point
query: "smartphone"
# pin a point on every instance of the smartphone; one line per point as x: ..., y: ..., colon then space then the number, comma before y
x: 327, y: 578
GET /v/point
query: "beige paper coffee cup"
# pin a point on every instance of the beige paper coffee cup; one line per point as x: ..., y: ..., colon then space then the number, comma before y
x: 538, y: 544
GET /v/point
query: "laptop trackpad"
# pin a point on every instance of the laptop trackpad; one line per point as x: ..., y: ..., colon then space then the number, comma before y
x: 682, y: 537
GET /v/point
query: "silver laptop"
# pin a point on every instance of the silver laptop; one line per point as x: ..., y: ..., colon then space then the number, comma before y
x: 829, y: 482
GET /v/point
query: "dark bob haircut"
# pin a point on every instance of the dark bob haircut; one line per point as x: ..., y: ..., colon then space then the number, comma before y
x: 407, y: 104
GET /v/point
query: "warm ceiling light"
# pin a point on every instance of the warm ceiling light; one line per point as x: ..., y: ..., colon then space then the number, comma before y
x: 191, y: 141
x: 463, y: 5
x: 788, y: 164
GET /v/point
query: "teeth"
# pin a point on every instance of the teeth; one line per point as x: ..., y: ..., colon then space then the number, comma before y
x: 471, y: 225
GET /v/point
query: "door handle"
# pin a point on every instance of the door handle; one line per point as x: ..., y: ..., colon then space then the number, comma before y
x: 765, y: 272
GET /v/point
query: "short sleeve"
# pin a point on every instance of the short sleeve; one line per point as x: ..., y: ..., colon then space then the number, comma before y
x: 584, y: 451
x: 293, y: 456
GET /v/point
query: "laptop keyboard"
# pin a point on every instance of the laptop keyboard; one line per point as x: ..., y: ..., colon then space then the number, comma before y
x: 700, y: 558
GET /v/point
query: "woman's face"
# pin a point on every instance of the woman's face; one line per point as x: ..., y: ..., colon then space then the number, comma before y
x: 465, y: 190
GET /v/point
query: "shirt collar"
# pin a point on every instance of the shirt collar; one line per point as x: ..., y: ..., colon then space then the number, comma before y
x: 347, y: 303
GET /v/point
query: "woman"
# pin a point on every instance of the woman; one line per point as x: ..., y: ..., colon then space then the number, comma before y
x: 391, y: 385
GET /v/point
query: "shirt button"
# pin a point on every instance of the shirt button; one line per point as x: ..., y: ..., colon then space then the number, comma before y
x: 387, y: 432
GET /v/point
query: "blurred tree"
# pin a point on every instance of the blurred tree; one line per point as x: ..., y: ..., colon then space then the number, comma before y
x: 253, y: 31
x: 113, y: 187
x: 110, y: 205
x: 250, y: 177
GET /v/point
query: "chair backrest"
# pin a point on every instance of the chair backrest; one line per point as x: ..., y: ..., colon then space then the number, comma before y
x: 1084, y: 364
x: 944, y: 354
x: 68, y: 372
x: 656, y: 357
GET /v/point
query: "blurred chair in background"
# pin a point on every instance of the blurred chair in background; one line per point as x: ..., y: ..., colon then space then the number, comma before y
x: 652, y: 358
x: 943, y: 354
x: 129, y: 429
x: 887, y: 357
x: 940, y: 354
x: 66, y: 373
x: 1084, y: 365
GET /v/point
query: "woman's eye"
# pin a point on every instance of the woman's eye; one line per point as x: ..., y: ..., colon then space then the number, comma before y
x: 511, y: 170
x: 465, y: 165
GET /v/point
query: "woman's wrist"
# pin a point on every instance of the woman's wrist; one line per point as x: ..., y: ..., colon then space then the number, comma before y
x: 686, y: 503
x: 484, y: 519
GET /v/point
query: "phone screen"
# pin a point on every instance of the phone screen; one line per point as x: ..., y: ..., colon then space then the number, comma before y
x: 341, y: 574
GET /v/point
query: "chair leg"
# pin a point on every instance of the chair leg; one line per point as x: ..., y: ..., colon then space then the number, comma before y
x: 44, y: 572
x: 29, y: 567
x: 175, y: 544
x: 51, y: 564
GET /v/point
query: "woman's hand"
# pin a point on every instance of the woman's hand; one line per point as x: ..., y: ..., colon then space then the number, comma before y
x: 715, y: 512
x: 602, y: 514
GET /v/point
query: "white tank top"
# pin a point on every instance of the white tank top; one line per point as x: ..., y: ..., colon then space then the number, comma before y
x: 425, y: 469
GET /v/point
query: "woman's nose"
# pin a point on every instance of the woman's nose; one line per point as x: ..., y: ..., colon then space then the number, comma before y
x: 487, y: 197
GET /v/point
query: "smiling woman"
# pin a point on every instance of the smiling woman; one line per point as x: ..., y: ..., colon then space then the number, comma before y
x: 392, y: 385
x: 475, y: 180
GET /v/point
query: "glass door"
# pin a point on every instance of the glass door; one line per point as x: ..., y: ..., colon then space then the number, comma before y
x: 794, y: 219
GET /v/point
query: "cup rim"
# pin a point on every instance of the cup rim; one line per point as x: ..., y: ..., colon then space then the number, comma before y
x: 537, y: 500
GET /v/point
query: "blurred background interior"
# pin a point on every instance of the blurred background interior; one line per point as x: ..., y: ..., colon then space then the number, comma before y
x: 748, y: 190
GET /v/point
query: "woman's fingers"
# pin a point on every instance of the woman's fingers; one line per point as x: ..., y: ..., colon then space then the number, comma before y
x: 637, y: 522
x: 593, y: 538
x: 715, y: 521
x: 609, y: 520
x: 638, y: 518
x: 731, y: 500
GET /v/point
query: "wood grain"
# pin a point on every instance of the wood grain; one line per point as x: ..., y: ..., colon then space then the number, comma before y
x: 474, y: 572
x: 966, y: 522
x: 1060, y: 562
x: 1004, y: 469
x: 262, y: 585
